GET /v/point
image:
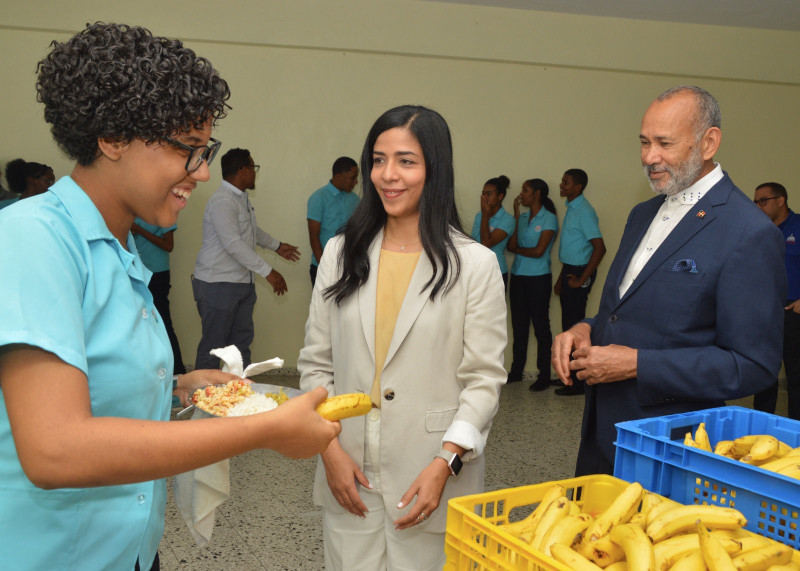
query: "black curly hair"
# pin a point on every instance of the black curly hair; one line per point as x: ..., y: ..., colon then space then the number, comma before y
x: 121, y: 82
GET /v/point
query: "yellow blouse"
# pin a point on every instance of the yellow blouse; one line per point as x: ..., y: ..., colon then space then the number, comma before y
x: 394, y: 274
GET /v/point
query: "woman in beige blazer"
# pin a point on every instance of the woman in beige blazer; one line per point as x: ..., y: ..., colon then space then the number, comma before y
x: 410, y: 310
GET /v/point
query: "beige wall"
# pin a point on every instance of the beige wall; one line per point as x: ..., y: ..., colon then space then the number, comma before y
x: 526, y: 94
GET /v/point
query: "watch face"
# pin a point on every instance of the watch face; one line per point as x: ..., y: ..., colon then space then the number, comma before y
x: 455, y: 464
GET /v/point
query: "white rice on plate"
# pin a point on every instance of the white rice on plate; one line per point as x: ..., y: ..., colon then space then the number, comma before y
x: 253, y: 404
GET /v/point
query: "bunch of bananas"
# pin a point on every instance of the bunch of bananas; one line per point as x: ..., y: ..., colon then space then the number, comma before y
x: 642, y: 531
x: 760, y: 450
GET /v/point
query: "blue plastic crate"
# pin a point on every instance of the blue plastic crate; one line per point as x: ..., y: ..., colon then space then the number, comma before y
x: 651, y: 452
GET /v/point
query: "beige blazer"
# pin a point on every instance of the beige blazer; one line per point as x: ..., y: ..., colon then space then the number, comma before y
x: 445, y: 363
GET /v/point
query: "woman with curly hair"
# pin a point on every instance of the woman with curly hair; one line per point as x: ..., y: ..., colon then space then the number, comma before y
x: 27, y: 179
x: 84, y: 357
x: 410, y: 310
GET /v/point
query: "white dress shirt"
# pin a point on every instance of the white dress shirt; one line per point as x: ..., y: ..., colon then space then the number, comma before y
x: 230, y: 236
x: 666, y: 219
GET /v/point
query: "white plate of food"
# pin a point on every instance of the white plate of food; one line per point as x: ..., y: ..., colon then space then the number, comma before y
x: 238, y: 398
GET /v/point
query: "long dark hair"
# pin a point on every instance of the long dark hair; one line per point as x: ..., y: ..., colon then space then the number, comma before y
x: 541, y: 186
x: 437, y: 206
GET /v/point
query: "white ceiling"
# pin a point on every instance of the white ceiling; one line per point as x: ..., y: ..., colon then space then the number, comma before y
x: 768, y: 14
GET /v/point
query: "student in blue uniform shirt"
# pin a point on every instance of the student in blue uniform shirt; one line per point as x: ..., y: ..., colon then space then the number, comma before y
x: 493, y: 226
x: 580, y: 250
x: 154, y: 244
x: 531, y: 279
x: 84, y: 358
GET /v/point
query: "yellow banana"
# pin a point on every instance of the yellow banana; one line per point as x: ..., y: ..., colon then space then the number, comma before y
x: 565, y: 532
x: 793, y: 470
x: 528, y: 525
x: 762, y: 558
x: 692, y: 562
x: 602, y: 552
x: 649, y: 501
x: 668, y: 551
x: 689, y: 441
x: 780, y: 463
x: 525, y: 529
x: 701, y: 437
x: 623, y: 506
x: 724, y: 447
x: 571, y: 559
x: 764, y: 447
x: 788, y: 567
x: 794, y: 452
x: 556, y: 511
x: 714, y: 554
x: 618, y: 566
x: 783, y: 449
x: 742, y: 445
x: 637, y: 547
x: 575, y: 509
x: 750, y: 542
x: 639, y: 519
x: 344, y: 406
x: 661, y: 508
x: 683, y: 518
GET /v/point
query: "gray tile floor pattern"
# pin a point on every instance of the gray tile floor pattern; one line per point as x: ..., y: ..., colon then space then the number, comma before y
x: 270, y: 523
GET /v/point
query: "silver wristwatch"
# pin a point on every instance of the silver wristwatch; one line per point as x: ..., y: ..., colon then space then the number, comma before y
x: 453, y: 460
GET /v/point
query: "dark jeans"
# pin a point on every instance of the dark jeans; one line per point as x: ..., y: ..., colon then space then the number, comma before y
x: 155, y: 567
x: 573, y: 304
x: 573, y: 299
x: 312, y: 271
x: 766, y: 400
x: 226, y: 315
x: 530, y: 303
x: 159, y: 286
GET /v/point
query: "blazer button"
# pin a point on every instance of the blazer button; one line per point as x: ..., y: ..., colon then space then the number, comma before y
x: 612, y: 318
x: 388, y: 395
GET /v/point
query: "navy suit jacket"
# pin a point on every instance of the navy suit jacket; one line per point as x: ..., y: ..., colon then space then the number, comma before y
x: 705, y: 313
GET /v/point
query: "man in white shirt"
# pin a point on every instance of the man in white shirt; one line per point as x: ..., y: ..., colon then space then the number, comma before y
x: 223, y: 279
x: 692, y: 309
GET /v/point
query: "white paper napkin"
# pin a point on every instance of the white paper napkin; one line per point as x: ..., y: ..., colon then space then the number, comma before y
x: 200, y: 492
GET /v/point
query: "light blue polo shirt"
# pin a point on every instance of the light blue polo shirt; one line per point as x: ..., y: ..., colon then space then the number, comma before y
x: 79, y: 294
x: 580, y: 226
x: 528, y: 233
x: 332, y: 208
x: 505, y: 222
x: 155, y: 259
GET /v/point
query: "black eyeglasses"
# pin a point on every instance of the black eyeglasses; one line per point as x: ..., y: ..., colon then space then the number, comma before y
x: 763, y: 201
x: 197, y: 154
x: 255, y: 167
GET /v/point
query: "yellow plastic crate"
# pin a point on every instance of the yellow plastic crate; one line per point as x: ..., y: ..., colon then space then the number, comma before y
x: 475, y: 539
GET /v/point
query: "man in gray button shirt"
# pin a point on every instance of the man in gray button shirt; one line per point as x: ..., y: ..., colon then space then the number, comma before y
x: 222, y: 282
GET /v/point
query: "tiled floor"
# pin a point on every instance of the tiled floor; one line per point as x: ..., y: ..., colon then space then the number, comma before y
x: 270, y: 523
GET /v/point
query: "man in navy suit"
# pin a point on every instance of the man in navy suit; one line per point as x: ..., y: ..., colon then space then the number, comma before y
x: 691, y: 312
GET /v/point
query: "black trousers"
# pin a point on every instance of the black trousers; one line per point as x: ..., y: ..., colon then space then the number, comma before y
x: 573, y: 299
x: 530, y: 303
x: 767, y: 399
x: 573, y: 303
x: 155, y: 567
x: 226, y: 316
x: 159, y: 286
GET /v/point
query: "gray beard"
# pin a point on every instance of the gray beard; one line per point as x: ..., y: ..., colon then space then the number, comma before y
x: 681, y: 177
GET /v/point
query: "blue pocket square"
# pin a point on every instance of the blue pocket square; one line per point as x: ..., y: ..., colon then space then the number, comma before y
x: 685, y: 265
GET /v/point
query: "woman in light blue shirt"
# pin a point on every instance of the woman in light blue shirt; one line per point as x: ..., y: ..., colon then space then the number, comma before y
x: 531, y: 279
x: 493, y: 226
x: 85, y: 362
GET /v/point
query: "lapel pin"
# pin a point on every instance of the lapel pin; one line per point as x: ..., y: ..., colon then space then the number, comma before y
x: 701, y: 214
